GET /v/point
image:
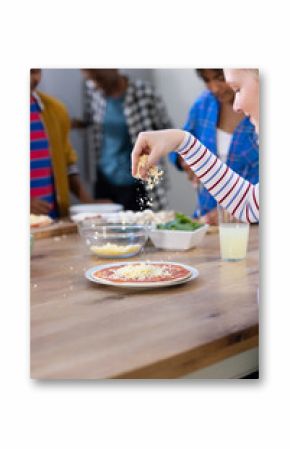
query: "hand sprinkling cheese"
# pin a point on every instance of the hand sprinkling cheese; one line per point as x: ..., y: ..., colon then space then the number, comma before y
x: 154, y: 174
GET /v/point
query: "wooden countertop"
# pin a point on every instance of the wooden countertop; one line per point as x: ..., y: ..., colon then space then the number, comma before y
x: 61, y: 227
x: 80, y: 330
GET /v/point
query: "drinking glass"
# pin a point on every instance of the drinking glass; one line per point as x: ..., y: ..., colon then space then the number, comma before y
x: 234, y: 236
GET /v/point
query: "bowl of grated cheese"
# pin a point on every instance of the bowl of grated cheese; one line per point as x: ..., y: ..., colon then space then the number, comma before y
x: 113, y: 241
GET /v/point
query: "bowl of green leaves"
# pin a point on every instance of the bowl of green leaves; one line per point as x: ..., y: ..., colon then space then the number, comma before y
x: 182, y: 233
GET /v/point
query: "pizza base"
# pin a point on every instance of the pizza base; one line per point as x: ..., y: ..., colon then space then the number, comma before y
x: 164, y: 273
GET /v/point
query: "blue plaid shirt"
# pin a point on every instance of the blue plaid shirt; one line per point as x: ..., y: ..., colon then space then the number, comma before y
x: 243, y: 156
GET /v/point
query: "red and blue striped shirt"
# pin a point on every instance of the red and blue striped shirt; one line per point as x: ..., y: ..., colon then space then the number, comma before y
x: 41, y: 173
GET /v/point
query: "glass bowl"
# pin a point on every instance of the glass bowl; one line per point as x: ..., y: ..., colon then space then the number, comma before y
x: 113, y: 241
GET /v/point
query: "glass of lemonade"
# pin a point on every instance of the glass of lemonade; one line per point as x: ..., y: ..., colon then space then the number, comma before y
x: 234, y: 236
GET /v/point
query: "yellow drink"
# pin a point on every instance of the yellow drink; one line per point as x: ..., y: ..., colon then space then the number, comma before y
x: 233, y: 240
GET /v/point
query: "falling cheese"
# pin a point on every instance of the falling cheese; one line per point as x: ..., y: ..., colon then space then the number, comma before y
x: 140, y: 271
x: 115, y: 250
x: 154, y: 173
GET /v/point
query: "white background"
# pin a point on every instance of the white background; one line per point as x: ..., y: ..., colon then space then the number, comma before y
x: 229, y: 414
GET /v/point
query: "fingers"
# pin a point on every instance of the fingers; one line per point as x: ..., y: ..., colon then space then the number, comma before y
x: 39, y: 207
x: 143, y: 171
x: 45, y: 206
x: 212, y: 218
x: 139, y: 149
x: 194, y: 180
x: 156, y: 144
x: 143, y: 145
x: 153, y: 159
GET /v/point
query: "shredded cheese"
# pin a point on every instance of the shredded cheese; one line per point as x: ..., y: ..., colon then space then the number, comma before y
x: 154, y: 173
x: 115, y: 250
x: 140, y: 271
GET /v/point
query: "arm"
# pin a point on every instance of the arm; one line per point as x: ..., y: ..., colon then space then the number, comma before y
x: 77, y: 188
x: 233, y: 192
x: 77, y: 123
x: 74, y: 180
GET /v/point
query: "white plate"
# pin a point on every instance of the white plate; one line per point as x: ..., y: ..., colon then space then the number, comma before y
x: 93, y: 208
x: 90, y: 277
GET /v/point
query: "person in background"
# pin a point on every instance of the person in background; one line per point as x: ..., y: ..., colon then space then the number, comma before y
x: 118, y: 109
x: 53, y: 169
x: 226, y: 132
x: 233, y: 192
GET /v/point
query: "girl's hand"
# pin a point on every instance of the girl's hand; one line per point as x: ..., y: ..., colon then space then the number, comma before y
x: 211, y: 218
x: 156, y: 144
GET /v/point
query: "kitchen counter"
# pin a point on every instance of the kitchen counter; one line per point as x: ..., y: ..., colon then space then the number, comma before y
x: 82, y: 330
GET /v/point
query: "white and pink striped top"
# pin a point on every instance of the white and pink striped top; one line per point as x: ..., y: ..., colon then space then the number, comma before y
x: 232, y: 192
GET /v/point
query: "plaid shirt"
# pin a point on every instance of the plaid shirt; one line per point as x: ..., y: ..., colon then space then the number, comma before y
x: 243, y: 156
x: 144, y: 111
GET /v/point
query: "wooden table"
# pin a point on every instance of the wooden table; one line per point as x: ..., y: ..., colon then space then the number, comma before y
x: 81, y: 330
x: 58, y: 228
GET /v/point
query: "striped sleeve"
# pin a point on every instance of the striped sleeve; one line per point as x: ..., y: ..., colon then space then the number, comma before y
x: 232, y: 192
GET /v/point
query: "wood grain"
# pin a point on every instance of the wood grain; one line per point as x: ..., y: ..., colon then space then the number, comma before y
x: 54, y: 229
x: 81, y: 330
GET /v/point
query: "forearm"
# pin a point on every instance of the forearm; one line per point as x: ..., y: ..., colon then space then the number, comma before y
x: 78, y: 189
x: 79, y: 123
x: 234, y: 193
